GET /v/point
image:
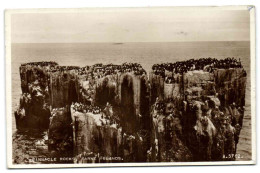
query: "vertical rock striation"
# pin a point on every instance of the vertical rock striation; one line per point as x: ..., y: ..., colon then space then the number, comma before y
x: 95, y: 135
x: 33, y: 111
x: 202, y: 108
x: 62, y: 86
x: 186, y: 111
x: 60, y: 133
x: 122, y: 95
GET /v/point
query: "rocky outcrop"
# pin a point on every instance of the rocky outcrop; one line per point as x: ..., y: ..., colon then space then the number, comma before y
x: 60, y: 133
x: 95, y: 135
x: 34, y: 111
x: 117, y: 113
x: 207, y: 114
x: 124, y: 99
x: 230, y: 86
x: 126, y: 92
x: 62, y: 87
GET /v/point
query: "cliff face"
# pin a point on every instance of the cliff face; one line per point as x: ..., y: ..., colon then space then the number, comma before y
x: 124, y: 91
x: 62, y: 88
x: 124, y: 98
x: 230, y: 85
x: 34, y: 111
x: 110, y: 113
x: 60, y: 133
x: 207, y: 112
x: 94, y: 136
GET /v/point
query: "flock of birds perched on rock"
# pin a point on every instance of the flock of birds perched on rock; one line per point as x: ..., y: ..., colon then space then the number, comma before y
x: 100, y: 70
x: 180, y: 67
x: 42, y: 63
x: 107, y: 114
x: 63, y: 68
x: 85, y: 108
x: 96, y: 71
x: 206, y: 64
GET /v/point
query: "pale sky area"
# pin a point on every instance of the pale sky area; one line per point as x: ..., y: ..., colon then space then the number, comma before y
x: 131, y: 25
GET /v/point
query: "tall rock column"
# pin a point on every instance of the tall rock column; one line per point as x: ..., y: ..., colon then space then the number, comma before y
x: 208, y: 110
x: 34, y: 112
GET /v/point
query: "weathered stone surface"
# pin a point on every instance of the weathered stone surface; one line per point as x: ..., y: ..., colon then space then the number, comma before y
x: 62, y: 88
x: 95, y: 134
x: 34, y: 111
x: 230, y: 85
x: 157, y: 87
x: 60, y: 141
x: 126, y: 92
x: 167, y: 145
x: 122, y: 116
x: 208, y: 118
x: 128, y: 95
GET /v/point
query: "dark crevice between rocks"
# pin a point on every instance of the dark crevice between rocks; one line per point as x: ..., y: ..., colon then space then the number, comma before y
x: 127, y: 106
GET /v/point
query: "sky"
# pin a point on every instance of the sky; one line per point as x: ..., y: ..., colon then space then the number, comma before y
x: 131, y: 25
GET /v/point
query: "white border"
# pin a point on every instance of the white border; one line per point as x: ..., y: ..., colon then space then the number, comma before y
x: 8, y: 14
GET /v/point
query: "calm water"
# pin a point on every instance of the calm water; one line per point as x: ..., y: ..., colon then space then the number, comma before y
x: 146, y: 54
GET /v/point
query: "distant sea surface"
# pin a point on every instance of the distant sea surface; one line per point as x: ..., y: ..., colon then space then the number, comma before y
x: 146, y: 54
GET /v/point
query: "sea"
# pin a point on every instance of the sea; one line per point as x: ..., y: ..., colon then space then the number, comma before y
x: 147, y: 54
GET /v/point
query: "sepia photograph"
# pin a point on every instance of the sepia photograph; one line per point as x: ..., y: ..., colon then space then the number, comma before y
x: 153, y: 86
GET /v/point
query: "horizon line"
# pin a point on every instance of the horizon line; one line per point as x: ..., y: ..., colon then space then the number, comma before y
x: 127, y: 42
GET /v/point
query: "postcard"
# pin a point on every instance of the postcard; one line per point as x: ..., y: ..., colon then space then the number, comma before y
x: 151, y: 86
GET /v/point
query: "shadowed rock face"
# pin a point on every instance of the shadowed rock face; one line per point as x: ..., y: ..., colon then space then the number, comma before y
x: 209, y: 113
x: 95, y: 135
x: 60, y: 141
x: 62, y: 88
x: 127, y: 100
x: 34, y: 111
x: 115, y: 111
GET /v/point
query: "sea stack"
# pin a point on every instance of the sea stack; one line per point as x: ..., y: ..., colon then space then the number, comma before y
x: 197, y: 109
x: 34, y: 109
x: 183, y: 111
